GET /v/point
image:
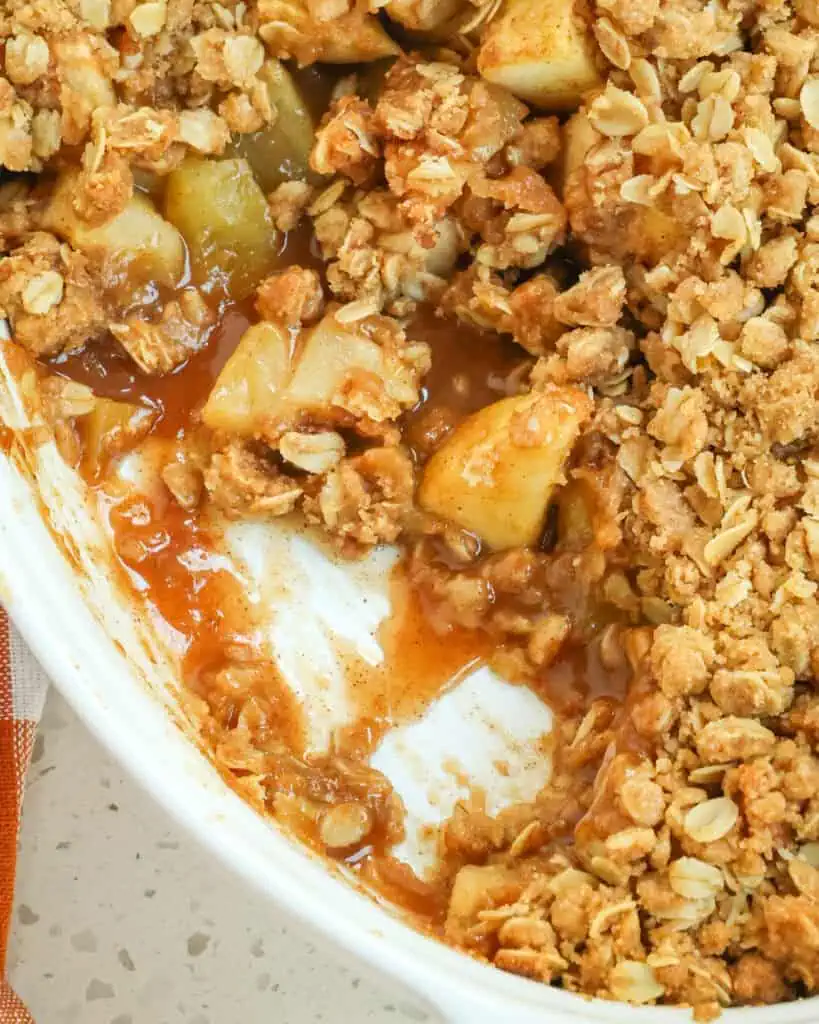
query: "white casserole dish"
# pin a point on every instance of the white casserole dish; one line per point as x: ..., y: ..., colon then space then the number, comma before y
x: 98, y: 649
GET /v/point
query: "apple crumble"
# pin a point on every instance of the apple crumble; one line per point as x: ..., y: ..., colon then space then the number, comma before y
x: 529, y: 288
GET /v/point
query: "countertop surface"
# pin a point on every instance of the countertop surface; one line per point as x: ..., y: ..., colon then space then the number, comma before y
x: 122, y: 918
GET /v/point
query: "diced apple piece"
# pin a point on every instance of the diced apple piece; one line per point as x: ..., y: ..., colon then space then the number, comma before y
x: 281, y: 152
x: 496, y: 473
x: 261, y: 381
x: 249, y: 388
x: 109, y: 429
x: 331, y: 353
x: 223, y: 216
x: 575, y: 526
x: 653, y: 234
x: 542, y: 51
x: 421, y: 15
x: 353, y: 37
x: 476, y: 888
x: 138, y: 240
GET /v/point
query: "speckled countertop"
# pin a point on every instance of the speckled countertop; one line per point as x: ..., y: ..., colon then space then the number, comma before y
x: 122, y: 918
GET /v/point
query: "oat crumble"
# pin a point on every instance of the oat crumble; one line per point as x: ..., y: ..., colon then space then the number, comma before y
x: 624, y: 190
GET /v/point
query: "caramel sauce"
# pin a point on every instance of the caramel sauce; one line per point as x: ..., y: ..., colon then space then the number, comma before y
x: 372, y: 863
x: 577, y: 678
x: 420, y: 663
x: 170, y: 556
x: 163, y: 547
x: 470, y: 368
x: 111, y: 373
x: 399, y: 885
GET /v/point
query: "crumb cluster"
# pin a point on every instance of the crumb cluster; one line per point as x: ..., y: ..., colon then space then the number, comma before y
x: 641, y: 500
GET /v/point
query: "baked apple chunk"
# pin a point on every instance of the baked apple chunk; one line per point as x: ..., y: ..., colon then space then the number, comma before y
x: 542, y: 51
x: 496, y: 473
x: 138, y: 239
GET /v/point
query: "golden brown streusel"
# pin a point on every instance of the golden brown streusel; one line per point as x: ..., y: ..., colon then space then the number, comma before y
x: 647, y: 249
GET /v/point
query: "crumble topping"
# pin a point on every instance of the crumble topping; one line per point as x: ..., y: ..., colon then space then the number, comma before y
x: 636, y: 505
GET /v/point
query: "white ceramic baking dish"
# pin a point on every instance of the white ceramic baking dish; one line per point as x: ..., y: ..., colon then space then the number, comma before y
x: 95, y: 644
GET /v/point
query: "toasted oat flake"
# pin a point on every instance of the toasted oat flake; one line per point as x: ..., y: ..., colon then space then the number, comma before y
x: 315, y: 453
x: 725, y: 82
x: 809, y: 101
x: 630, y: 842
x: 605, y: 917
x: 243, y: 56
x: 688, y: 913
x: 613, y: 43
x: 635, y: 982
x: 761, y: 148
x: 433, y: 168
x: 148, y: 19
x: 708, y: 773
x: 690, y: 81
x: 726, y: 541
x: 729, y: 223
x: 639, y: 190
x: 809, y: 852
x: 526, y: 840
x: 714, y: 118
x: 42, y: 292
x: 629, y: 414
x: 354, y: 311
x: 658, y: 960
x: 805, y: 877
x: 711, y: 820
x: 608, y: 870
x: 699, y: 342
x: 203, y: 131
x: 345, y: 825
x: 327, y: 198
x: 645, y: 78
x: 483, y: 14
x: 665, y: 139
x: 617, y: 113
x: 694, y: 878
x: 723, y: 991
x: 569, y: 879
x: 74, y: 399
x: 521, y: 222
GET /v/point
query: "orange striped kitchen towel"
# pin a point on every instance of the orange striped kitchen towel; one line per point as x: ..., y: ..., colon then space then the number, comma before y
x: 22, y: 692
